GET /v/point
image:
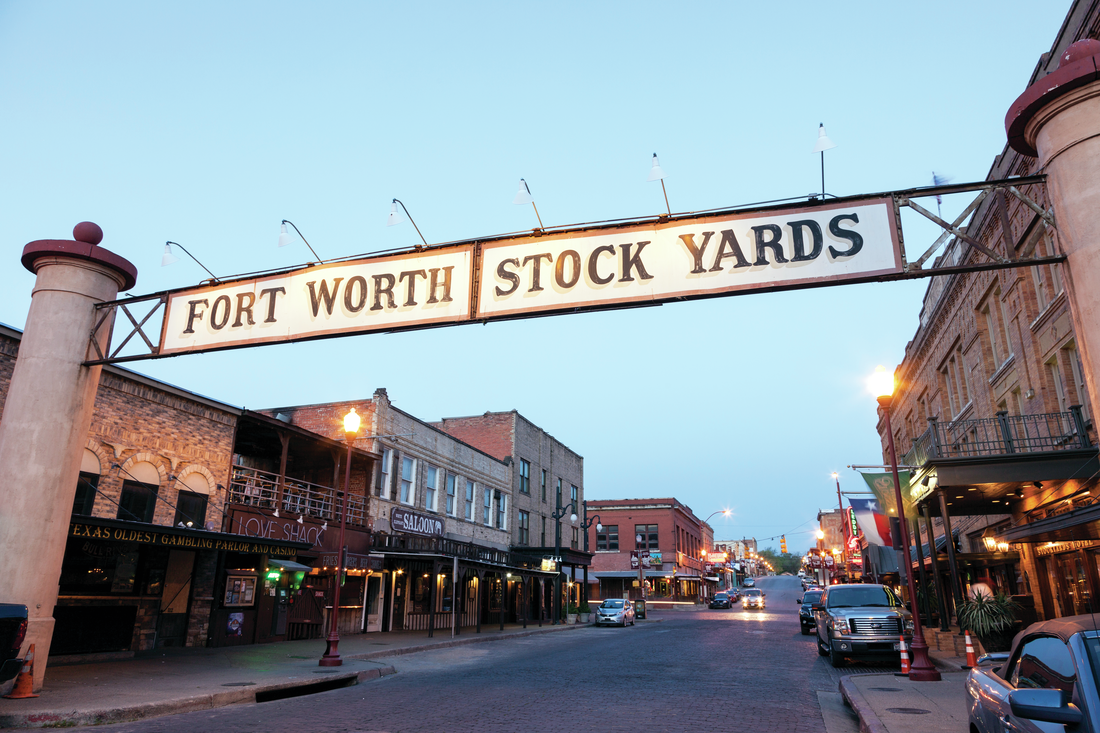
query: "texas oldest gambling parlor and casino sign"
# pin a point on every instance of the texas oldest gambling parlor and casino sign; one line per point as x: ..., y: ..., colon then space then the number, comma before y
x: 586, y: 268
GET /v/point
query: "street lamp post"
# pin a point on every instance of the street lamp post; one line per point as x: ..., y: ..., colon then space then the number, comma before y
x: 921, y: 669
x: 585, y: 524
x: 331, y: 657
x: 556, y: 516
x: 843, y: 529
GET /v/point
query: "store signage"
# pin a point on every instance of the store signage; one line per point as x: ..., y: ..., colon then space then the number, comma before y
x: 354, y: 562
x: 549, y: 565
x: 716, y: 557
x: 402, y: 520
x: 265, y: 525
x: 589, y: 268
x: 177, y: 540
x: 1052, y: 548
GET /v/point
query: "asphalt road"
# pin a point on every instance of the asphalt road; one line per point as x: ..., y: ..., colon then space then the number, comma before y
x: 693, y: 670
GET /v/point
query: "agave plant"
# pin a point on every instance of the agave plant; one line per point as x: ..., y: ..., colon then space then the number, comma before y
x: 991, y: 618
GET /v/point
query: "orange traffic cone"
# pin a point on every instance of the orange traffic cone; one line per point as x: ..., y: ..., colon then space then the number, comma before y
x: 25, y: 679
x: 904, y: 656
x: 971, y: 657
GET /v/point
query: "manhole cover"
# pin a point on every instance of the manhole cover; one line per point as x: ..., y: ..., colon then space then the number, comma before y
x: 885, y: 689
x: 238, y: 684
x: 908, y: 711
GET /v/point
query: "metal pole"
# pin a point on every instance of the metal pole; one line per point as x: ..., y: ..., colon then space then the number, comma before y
x: 937, y: 579
x: 952, y: 563
x: 331, y: 657
x: 922, y: 669
x: 843, y: 529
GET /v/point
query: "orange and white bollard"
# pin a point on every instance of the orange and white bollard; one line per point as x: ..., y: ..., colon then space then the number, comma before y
x: 904, y: 656
x: 971, y: 657
x: 25, y: 679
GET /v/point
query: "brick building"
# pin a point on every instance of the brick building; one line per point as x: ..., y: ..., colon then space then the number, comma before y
x: 143, y: 550
x: 547, y: 477
x: 426, y: 476
x: 991, y: 406
x: 666, y: 530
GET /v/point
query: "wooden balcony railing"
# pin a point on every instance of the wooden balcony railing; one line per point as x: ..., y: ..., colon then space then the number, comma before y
x: 1002, y: 435
x: 253, y: 487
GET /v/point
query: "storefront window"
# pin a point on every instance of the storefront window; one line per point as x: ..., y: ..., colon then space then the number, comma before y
x: 85, y: 494
x: 190, y: 509
x: 138, y: 502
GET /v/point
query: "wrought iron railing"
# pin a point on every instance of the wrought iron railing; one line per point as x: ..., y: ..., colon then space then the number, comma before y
x: 253, y: 487
x: 452, y: 548
x: 1001, y: 435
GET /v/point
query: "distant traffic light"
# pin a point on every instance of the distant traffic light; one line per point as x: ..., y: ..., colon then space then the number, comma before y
x: 783, y: 544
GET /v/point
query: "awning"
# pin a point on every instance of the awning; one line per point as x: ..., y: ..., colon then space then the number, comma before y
x: 1079, y: 524
x: 286, y: 565
x: 711, y: 578
x: 634, y: 574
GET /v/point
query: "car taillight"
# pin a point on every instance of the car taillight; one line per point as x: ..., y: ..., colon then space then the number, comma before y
x: 20, y: 635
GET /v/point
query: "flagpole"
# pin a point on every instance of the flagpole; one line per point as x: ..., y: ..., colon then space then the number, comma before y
x: 922, y: 669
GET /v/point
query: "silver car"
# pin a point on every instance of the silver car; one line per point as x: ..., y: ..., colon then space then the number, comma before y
x: 1046, y: 683
x: 615, y: 611
x: 860, y: 621
x: 753, y: 598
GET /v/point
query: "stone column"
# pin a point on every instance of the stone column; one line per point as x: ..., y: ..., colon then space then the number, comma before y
x: 1057, y: 119
x: 46, y: 418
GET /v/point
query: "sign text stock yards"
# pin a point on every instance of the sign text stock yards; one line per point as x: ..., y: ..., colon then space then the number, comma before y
x: 584, y: 269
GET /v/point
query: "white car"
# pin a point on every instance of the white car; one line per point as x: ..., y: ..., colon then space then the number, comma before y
x: 617, y: 611
x: 753, y: 598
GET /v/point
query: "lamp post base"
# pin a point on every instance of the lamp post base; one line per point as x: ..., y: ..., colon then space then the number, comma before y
x: 331, y: 657
x: 922, y: 669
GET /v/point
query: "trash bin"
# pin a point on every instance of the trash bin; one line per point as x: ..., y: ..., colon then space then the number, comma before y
x: 639, y: 609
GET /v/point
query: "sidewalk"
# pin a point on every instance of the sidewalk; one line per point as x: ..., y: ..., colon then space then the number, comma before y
x: 886, y: 703
x: 176, y: 680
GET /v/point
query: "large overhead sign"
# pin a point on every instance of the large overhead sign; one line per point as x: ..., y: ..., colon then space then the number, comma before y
x: 583, y: 268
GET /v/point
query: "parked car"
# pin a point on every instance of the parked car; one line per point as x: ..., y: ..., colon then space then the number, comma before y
x: 720, y: 600
x: 805, y: 610
x: 734, y: 594
x: 1048, y: 680
x: 13, y: 629
x: 753, y: 598
x: 615, y: 611
x: 862, y: 621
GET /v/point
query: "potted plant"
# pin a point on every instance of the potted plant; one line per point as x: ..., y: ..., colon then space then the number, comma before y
x: 992, y: 618
x: 585, y: 612
x: 571, y: 614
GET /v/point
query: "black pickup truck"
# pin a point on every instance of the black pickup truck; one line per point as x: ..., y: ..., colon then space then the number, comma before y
x: 13, y: 629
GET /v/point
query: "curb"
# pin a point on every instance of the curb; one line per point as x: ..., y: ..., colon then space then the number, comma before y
x: 868, y: 721
x: 131, y: 713
x: 475, y: 639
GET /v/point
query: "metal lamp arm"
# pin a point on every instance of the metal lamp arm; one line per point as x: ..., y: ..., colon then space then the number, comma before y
x: 425, y: 241
x: 315, y: 255
x: 212, y: 275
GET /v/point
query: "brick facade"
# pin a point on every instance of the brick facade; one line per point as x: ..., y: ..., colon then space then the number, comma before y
x: 526, y: 447
x: 404, y: 436
x: 997, y: 340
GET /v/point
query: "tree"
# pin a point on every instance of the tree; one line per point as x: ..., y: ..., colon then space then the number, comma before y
x: 782, y: 563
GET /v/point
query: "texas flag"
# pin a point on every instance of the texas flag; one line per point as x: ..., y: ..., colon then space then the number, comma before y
x: 874, y: 523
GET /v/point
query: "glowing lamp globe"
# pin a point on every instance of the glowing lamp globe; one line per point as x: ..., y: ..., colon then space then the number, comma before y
x: 351, y: 422
x: 881, y: 382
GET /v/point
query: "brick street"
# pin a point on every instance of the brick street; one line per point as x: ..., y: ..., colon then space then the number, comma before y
x: 698, y: 670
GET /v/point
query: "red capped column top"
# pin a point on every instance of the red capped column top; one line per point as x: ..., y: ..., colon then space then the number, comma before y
x: 1079, y: 66
x: 87, y: 236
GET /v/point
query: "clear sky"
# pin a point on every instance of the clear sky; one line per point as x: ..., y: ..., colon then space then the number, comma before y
x: 206, y: 123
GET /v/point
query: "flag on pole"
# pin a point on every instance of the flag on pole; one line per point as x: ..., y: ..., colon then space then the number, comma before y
x: 882, y: 484
x: 872, y: 521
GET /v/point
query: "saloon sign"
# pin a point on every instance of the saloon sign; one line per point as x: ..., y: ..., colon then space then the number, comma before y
x: 562, y: 271
x: 402, y: 520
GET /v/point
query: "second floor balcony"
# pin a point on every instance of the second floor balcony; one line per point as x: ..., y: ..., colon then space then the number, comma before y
x: 262, y: 489
x: 985, y: 465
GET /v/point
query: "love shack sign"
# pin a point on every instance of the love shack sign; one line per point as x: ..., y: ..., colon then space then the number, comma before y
x: 568, y: 270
